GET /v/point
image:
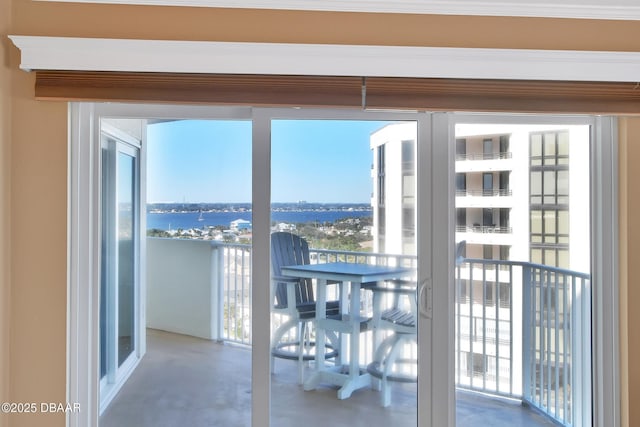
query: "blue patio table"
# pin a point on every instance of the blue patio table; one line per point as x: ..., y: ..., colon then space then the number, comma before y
x: 349, y: 275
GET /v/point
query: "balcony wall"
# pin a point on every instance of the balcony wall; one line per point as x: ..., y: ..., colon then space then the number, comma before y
x: 519, y: 327
x: 181, y: 290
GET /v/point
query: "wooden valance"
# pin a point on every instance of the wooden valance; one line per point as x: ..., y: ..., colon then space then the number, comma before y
x: 343, y: 92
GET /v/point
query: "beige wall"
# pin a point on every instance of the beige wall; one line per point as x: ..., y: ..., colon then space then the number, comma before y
x: 5, y: 134
x: 629, y: 267
x: 38, y: 145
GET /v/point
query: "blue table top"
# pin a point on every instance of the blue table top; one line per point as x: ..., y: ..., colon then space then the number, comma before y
x: 347, y: 271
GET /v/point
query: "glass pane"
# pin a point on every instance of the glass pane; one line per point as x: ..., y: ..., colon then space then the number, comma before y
x: 119, y: 280
x: 126, y: 255
x: 563, y: 182
x: 536, y: 222
x: 549, y: 148
x: 536, y: 187
x: 563, y: 222
x: 536, y: 149
x: 199, y: 234
x: 508, y: 339
x: 563, y: 148
x: 549, y: 184
x: 549, y: 222
x: 198, y: 271
x: 105, y: 326
x: 343, y: 196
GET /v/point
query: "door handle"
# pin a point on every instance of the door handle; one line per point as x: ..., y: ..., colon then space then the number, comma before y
x: 425, y: 298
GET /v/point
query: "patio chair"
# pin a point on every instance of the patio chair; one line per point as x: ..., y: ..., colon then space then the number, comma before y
x: 399, y: 319
x: 293, y: 298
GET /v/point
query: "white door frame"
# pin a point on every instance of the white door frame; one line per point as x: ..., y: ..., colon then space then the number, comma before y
x: 83, y: 308
x: 119, y: 142
x: 84, y: 259
x: 604, y: 242
x: 261, y: 246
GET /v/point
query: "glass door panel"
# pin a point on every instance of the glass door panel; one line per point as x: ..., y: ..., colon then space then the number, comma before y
x: 120, y: 250
x: 343, y: 231
x: 127, y: 213
x: 522, y: 283
x: 197, y: 235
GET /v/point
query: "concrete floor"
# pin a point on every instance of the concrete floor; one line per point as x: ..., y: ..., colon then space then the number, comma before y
x: 189, y: 382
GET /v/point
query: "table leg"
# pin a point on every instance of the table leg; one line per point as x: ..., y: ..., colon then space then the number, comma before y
x: 321, y: 313
x: 355, y: 380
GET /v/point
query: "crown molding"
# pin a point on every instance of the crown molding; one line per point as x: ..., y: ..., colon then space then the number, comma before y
x: 95, y: 54
x: 575, y: 9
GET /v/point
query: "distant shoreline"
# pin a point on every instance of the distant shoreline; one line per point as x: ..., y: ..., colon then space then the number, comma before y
x: 177, y: 217
x: 176, y: 208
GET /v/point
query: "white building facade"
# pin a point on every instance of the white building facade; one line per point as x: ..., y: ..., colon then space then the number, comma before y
x: 522, y: 194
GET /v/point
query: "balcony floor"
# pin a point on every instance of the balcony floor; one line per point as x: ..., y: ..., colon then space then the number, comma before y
x: 186, y: 381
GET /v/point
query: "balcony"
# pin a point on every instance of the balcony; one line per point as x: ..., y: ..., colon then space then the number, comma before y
x: 496, y: 198
x: 519, y: 335
x: 485, y: 234
x: 484, y: 162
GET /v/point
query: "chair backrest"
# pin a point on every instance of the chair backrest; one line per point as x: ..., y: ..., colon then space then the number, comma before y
x: 290, y: 249
x: 460, y: 251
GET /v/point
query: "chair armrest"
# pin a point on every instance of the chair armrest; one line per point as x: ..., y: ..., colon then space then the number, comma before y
x: 382, y: 289
x: 285, y: 279
x: 403, y: 282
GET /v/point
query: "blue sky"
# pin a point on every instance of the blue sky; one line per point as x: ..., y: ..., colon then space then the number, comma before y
x: 210, y: 161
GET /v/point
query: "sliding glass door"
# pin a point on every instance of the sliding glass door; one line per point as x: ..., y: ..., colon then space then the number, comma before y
x: 121, y: 345
x: 523, y: 280
x: 443, y: 255
x: 349, y: 259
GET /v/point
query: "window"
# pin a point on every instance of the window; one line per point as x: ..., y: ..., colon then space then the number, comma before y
x: 408, y: 156
x: 461, y: 148
x: 503, y: 179
x: 461, y: 219
x: 487, y: 251
x: 487, y: 148
x: 504, y: 146
x: 381, y: 175
x: 549, y: 197
x: 487, y: 184
x: 461, y: 184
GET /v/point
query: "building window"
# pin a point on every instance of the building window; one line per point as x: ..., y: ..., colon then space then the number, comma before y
x: 504, y: 219
x: 408, y: 224
x: 487, y: 251
x: 487, y: 148
x: 476, y: 364
x: 462, y: 294
x: 381, y: 175
x: 461, y: 184
x: 504, y: 253
x: 461, y: 219
x: 461, y: 148
x: 503, y: 179
x: 382, y: 228
x: 487, y: 184
x: 504, y: 146
x: 487, y: 218
x: 549, y: 198
x: 408, y: 156
x: 505, y: 295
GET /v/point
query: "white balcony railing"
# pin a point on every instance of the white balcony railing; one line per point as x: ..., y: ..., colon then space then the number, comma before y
x: 521, y: 330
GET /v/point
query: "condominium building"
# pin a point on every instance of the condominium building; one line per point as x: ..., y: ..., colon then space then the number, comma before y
x: 522, y: 194
x: 513, y: 187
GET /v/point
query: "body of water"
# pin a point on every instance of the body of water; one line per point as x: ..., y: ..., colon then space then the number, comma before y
x: 187, y: 220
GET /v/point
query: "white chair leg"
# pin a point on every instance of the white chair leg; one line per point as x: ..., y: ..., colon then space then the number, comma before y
x: 302, y: 327
x: 386, y: 370
x: 277, y: 337
x: 380, y: 356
